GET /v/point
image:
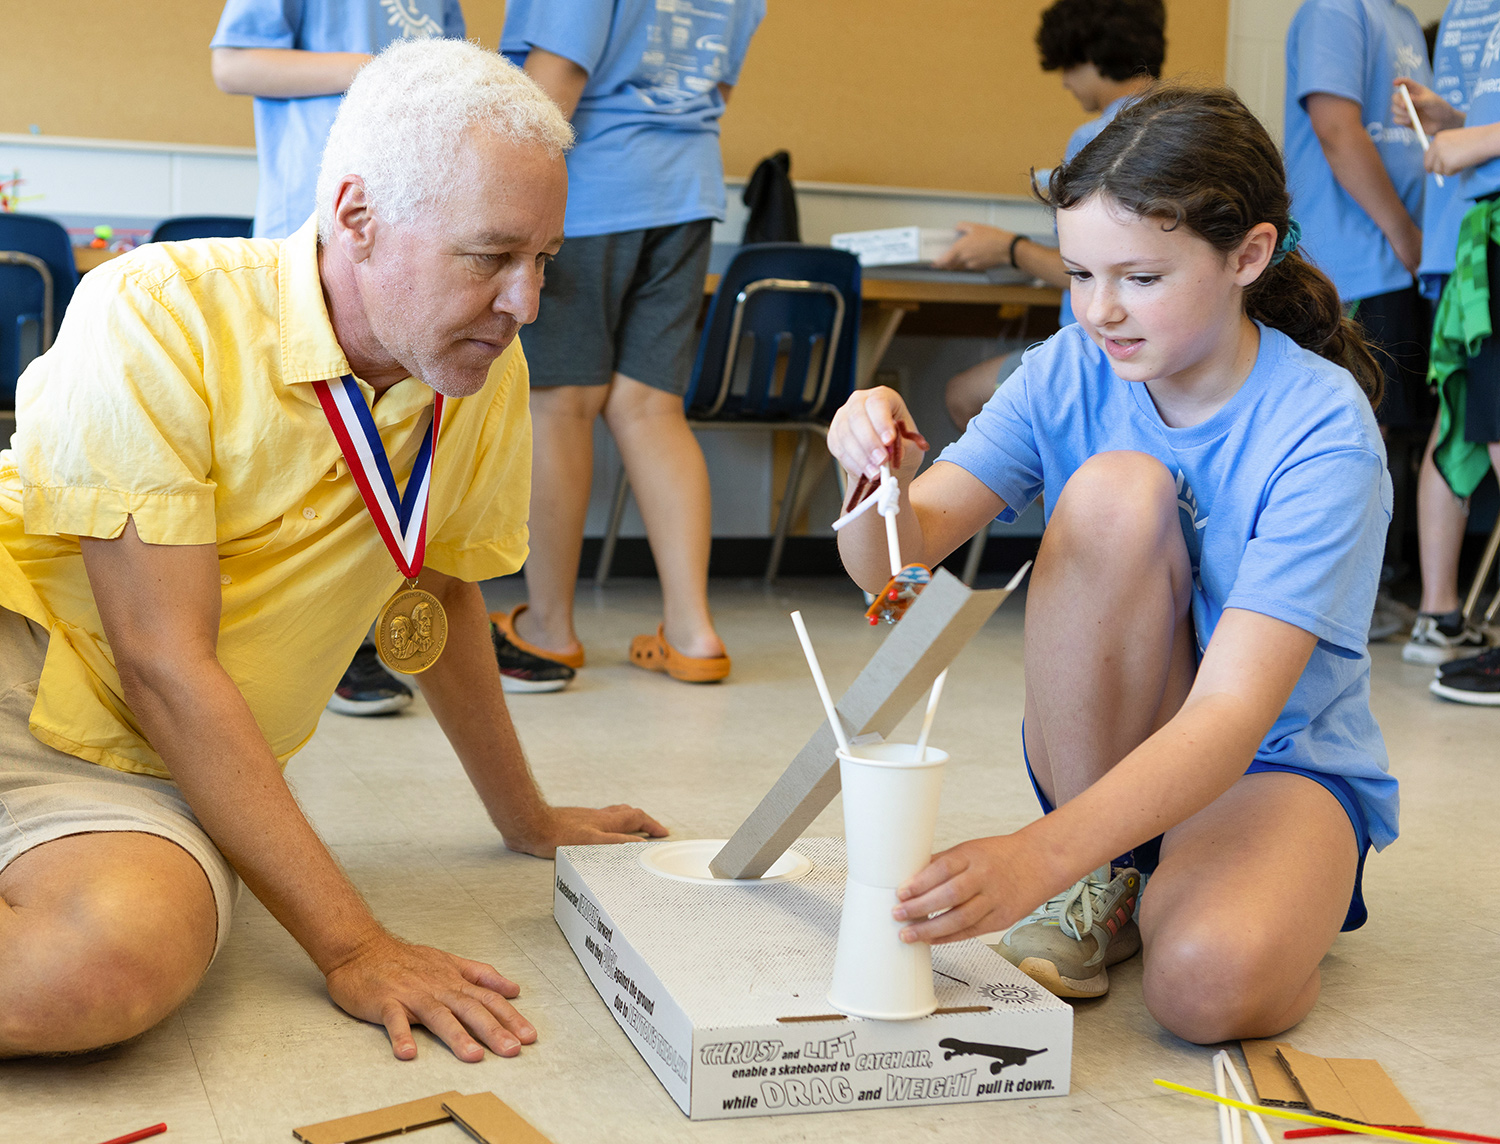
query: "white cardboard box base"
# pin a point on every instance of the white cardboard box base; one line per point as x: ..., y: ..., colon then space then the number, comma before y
x: 702, y: 978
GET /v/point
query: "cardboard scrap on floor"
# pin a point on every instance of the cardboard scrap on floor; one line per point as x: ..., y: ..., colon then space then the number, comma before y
x: 483, y: 1115
x: 1358, y: 1090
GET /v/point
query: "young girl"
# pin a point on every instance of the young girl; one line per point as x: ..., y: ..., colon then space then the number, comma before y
x: 1197, y: 686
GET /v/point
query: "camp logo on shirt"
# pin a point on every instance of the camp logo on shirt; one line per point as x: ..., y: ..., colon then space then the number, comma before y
x: 1193, y: 525
x: 413, y: 22
x: 1408, y: 60
x: 1491, y: 48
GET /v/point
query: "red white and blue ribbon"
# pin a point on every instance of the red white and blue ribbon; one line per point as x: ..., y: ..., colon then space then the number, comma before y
x: 401, y: 520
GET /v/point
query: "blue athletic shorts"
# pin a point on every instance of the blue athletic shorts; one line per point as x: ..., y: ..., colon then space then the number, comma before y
x: 1146, y: 856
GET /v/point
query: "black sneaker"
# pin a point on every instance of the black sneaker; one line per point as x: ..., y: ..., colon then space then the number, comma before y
x: 522, y: 671
x: 1475, y: 680
x: 368, y: 688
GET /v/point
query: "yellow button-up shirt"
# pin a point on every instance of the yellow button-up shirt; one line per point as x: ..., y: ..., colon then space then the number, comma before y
x: 179, y: 393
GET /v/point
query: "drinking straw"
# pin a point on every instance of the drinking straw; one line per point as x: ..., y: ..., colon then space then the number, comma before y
x: 1288, y: 1114
x: 1227, y: 1135
x: 892, y: 541
x: 817, y: 673
x: 1430, y: 1133
x: 1239, y: 1088
x: 1416, y: 123
x: 131, y: 1137
x: 932, y: 702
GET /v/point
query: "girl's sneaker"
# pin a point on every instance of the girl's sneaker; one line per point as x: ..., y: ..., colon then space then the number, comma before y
x: 1069, y: 942
x: 1436, y: 639
x: 1475, y: 681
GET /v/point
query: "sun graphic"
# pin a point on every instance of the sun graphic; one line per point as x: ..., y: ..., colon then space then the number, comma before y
x: 1009, y: 993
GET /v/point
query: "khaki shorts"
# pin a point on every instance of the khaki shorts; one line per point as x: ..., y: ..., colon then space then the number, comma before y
x: 46, y: 794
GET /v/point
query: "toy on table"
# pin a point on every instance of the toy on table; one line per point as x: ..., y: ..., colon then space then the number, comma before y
x: 907, y: 580
x: 103, y: 236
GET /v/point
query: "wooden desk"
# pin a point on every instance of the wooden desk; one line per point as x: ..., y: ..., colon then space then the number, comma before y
x: 886, y: 301
x: 87, y: 258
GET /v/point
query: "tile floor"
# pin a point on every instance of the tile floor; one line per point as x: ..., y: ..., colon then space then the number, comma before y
x: 260, y: 1049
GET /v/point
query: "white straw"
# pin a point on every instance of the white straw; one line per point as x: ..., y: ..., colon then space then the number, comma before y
x: 1239, y: 1087
x: 932, y: 702
x: 1411, y: 110
x: 1223, y: 1090
x: 817, y: 673
x: 892, y: 541
x: 1016, y: 579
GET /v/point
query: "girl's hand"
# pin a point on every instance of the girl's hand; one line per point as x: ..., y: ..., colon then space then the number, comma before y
x: 1456, y: 150
x: 985, y: 885
x: 863, y: 431
x: 1435, y: 112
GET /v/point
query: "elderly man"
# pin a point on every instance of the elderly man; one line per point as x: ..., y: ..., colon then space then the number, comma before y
x: 197, y: 529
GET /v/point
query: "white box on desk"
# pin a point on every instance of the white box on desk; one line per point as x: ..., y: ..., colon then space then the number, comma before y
x: 714, y: 984
x: 896, y: 245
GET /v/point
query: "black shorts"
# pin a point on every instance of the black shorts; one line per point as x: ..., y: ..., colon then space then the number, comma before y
x: 621, y: 303
x: 1399, y: 330
x: 1482, y: 391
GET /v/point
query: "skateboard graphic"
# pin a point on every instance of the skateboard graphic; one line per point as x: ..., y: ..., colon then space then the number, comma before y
x: 1004, y: 1055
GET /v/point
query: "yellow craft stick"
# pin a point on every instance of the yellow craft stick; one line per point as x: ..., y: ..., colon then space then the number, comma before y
x: 1288, y: 1114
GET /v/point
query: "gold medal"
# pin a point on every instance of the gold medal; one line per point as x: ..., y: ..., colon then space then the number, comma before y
x: 411, y: 631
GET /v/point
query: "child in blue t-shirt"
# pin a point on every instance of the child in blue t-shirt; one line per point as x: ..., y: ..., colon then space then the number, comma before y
x: 1108, y: 52
x: 1197, y: 684
x: 1465, y: 359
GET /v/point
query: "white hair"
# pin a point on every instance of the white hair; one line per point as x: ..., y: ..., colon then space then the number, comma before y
x: 406, y: 116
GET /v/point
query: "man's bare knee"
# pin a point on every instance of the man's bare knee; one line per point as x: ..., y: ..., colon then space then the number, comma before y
x: 107, y: 958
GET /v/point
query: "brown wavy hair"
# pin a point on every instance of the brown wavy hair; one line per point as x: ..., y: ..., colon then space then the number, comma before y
x: 1196, y: 157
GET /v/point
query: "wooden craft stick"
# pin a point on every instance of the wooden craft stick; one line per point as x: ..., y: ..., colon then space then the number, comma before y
x: 1302, y: 1117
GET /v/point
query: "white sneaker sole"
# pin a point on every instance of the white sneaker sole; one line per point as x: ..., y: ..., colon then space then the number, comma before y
x: 513, y: 686
x: 1458, y: 695
x: 1046, y: 974
x: 342, y: 706
x: 1433, y: 655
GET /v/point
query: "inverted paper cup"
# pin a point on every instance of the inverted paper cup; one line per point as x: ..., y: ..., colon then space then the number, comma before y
x: 875, y: 974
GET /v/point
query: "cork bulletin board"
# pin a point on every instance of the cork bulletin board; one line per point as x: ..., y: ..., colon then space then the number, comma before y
x: 941, y: 93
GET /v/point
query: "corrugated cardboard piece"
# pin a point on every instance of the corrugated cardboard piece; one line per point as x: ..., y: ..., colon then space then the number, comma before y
x: 483, y: 1115
x: 1350, y: 1089
x: 928, y: 639
x: 490, y: 1120
x: 379, y: 1122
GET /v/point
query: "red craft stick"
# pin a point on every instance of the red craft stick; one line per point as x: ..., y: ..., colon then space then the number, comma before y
x: 1435, y: 1133
x: 131, y: 1137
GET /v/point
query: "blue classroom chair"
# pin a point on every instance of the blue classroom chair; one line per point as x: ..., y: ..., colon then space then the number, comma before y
x: 777, y: 353
x: 37, y: 279
x: 186, y: 227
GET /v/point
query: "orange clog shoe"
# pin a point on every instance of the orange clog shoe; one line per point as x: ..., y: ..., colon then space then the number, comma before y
x: 654, y: 653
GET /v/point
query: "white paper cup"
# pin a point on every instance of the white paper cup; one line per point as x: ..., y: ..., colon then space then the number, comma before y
x: 875, y: 974
x: 890, y: 810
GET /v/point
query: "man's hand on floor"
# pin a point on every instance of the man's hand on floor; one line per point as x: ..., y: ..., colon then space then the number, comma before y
x: 582, y: 826
x: 466, y: 1004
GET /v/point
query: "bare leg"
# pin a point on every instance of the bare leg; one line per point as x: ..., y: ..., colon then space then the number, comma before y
x: 101, y: 936
x: 1441, y: 521
x: 966, y: 392
x: 1109, y: 638
x: 562, y: 474
x: 1249, y: 896
x: 670, y: 480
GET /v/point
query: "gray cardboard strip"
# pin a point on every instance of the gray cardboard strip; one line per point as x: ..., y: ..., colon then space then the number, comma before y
x: 936, y: 628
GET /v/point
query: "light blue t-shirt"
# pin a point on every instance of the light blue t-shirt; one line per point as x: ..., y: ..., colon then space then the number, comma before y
x: 1467, y: 25
x: 290, y: 133
x: 648, y: 120
x: 1077, y: 141
x: 1354, y: 49
x: 1284, y: 502
x: 1484, y: 109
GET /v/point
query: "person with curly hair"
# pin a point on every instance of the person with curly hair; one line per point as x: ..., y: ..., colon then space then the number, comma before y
x: 1109, y: 53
